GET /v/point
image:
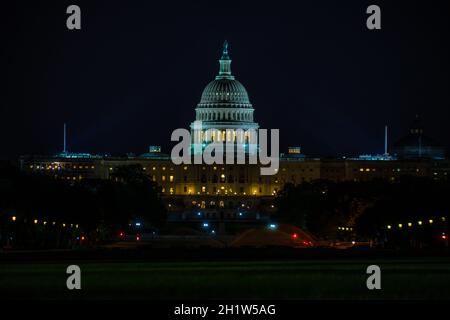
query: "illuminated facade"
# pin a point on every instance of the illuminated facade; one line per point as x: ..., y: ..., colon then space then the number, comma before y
x: 236, y: 192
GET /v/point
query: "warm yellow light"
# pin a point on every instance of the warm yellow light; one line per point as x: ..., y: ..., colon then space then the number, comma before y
x: 400, y: 225
x: 64, y: 225
x: 419, y: 223
x: 45, y: 222
x: 13, y: 218
x: 409, y: 224
x: 76, y: 226
x: 35, y: 221
x: 389, y: 227
x: 430, y: 221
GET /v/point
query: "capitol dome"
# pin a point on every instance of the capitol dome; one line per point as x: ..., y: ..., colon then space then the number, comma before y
x: 225, y: 92
x: 225, y: 100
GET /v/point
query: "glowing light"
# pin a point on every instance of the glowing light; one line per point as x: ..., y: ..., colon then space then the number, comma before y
x: 389, y: 227
x: 35, y: 221
x: 419, y: 223
x: 272, y: 226
x: 13, y: 218
x: 400, y: 225
x: 138, y: 224
x: 409, y: 224
x: 295, y: 236
x: 430, y: 221
x: 82, y: 238
x: 64, y: 225
x: 45, y: 222
x: 138, y: 238
x: 205, y: 224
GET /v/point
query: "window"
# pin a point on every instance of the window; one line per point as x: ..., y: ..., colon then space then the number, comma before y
x: 171, y: 178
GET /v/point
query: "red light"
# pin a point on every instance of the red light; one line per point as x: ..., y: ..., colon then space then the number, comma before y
x: 121, y: 234
x: 138, y: 238
x: 82, y: 238
x: 294, y: 236
x: 444, y: 237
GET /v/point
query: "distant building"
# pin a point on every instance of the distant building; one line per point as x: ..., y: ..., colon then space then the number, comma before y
x: 417, y: 145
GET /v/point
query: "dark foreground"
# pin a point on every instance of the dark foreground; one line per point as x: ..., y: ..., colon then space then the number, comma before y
x: 299, y: 277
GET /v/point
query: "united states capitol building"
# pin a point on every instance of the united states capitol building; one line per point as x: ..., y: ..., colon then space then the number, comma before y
x: 226, y: 191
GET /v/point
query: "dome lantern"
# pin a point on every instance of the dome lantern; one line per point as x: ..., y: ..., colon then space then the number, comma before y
x: 225, y: 64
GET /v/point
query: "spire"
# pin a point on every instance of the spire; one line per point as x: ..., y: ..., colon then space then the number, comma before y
x: 225, y: 64
x: 225, y: 51
x: 64, y: 145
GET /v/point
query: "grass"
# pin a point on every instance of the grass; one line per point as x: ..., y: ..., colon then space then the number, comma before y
x: 401, y: 279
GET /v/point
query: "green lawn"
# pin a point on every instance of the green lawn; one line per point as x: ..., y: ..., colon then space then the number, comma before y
x: 401, y: 279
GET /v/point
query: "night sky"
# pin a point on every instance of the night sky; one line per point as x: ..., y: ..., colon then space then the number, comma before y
x: 137, y: 69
